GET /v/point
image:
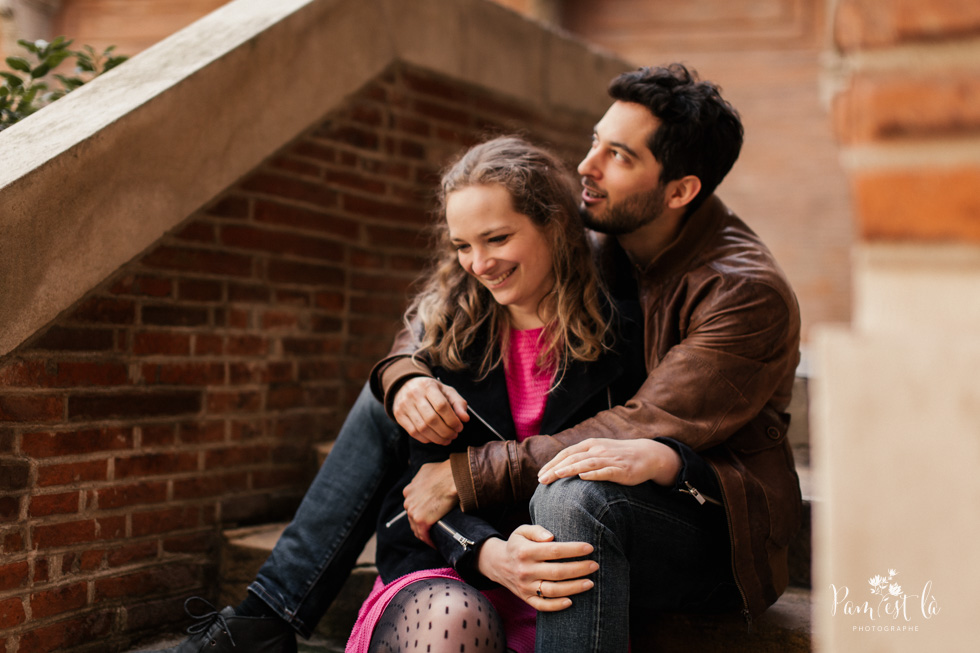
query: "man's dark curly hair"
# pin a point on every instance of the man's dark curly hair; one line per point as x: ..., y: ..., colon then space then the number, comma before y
x: 700, y: 133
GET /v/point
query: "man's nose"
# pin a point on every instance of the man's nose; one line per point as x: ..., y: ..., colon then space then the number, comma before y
x: 587, y: 167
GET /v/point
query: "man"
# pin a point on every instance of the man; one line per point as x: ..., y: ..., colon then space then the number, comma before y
x: 701, y: 497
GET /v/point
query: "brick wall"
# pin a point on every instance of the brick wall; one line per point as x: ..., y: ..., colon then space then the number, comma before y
x: 908, y: 113
x: 186, y: 391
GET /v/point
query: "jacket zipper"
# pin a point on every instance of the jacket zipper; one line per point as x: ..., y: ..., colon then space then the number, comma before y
x: 746, y: 615
x: 701, y: 498
x: 463, y: 541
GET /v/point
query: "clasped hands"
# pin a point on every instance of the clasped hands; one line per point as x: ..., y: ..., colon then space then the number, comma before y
x: 544, y: 573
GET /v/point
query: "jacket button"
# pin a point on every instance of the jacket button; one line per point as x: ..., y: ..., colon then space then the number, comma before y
x: 773, y: 433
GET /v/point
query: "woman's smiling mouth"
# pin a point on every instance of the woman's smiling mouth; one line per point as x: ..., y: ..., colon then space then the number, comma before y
x: 496, y: 281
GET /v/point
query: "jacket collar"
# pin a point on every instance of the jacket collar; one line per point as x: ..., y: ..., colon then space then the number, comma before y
x: 698, y: 229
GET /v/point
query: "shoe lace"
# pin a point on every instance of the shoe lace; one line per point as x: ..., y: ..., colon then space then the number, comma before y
x: 206, y: 620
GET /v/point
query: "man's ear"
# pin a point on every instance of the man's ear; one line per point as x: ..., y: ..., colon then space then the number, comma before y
x: 682, y: 192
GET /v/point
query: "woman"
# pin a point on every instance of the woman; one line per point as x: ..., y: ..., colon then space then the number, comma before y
x: 513, y: 318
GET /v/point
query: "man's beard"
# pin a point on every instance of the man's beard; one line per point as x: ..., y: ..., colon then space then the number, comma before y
x: 627, y: 215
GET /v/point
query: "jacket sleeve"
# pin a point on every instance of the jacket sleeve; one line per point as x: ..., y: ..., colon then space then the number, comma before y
x: 389, y: 374
x: 739, y: 345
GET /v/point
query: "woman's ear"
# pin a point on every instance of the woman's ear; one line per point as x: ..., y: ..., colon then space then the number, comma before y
x: 682, y: 192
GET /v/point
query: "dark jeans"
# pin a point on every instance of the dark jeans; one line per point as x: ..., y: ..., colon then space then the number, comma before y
x: 336, y: 518
x: 658, y: 550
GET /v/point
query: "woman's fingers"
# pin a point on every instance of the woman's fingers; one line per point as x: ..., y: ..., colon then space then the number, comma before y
x: 429, y: 411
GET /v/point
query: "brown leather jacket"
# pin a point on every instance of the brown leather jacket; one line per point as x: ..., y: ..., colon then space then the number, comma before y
x: 722, y: 345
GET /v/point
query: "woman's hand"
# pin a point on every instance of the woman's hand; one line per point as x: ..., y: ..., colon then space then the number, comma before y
x: 429, y: 497
x: 528, y: 564
x: 429, y: 410
x: 627, y: 462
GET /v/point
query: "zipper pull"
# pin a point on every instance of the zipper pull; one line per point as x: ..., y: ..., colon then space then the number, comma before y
x: 693, y: 491
x: 456, y: 535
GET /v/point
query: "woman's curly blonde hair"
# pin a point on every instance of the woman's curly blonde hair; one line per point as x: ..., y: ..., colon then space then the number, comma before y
x: 452, y: 307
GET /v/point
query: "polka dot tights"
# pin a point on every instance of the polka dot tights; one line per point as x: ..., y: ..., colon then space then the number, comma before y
x: 439, y: 616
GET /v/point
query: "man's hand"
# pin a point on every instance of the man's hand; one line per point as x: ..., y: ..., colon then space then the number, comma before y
x: 429, y: 497
x: 429, y: 410
x: 529, y: 562
x: 627, y: 462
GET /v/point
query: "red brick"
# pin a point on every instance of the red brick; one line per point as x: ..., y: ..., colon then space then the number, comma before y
x: 246, y: 346
x: 105, y: 311
x: 305, y: 274
x: 58, y: 601
x: 199, y: 290
x: 11, y: 613
x: 183, y: 373
x: 296, y: 167
x: 322, y: 370
x: 196, y: 232
x: 131, y: 495
x: 395, y: 237
x: 230, y: 207
x: 23, y: 373
x: 377, y: 306
x: 209, y: 261
x: 195, y: 543
x: 248, y: 293
x: 386, y: 210
x: 161, y: 342
x: 236, y: 456
x: 71, y: 473
x: 15, y: 473
x: 885, y: 106
x: 277, y: 242
x: 361, y: 138
x: 48, y: 444
x: 291, y: 216
x: 286, y: 187
x: 280, y: 372
x: 332, y: 301
x: 202, y: 432
x: 208, y: 344
x: 31, y: 408
x: 14, y: 575
x: 146, y: 582
x: 285, y: 397
x: 153, y: 464
x: 174, y: 315
x: 41, y: 573
x: 355, y: 181
x: 87, y: 373
x: 13, y: 541
x: 64, y: 534
x: 396, y: 285
x: 43, y: 505
x: 133, y: 405
x: 247, y: 372
x: 327, y: 324
x: 131, y: 553
x: 932, y: 204
x: 292, y: 297
x: 314, y: 150
x: 62, y: 635
x: 311, y: 346
x: 872, y: 23
x: 158, y: 435
x: 9, y: 509
x: 209, y: 486
x: 234, y: 402
x: 279, y: 320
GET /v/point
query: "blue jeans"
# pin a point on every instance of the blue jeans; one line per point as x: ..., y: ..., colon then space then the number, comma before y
x: 338, y: 515
x: 658, y: 550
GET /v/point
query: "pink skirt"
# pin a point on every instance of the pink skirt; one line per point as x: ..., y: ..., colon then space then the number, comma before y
x: 517, y: 615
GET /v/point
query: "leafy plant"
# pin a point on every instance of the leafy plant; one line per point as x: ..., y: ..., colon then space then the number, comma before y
x: 28, y: 85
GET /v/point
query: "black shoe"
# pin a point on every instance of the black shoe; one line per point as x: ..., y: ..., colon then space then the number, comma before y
x: 225, y: 632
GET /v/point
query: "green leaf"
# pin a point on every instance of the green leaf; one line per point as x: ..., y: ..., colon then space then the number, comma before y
x: 40, y: 71
x: 18, y: 63
x: 55, y: 58
x: 13, y: 81
x: 112, y: 63
x: 27, y: 44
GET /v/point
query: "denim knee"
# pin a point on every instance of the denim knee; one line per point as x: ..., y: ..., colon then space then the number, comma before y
x: 571, y: 500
